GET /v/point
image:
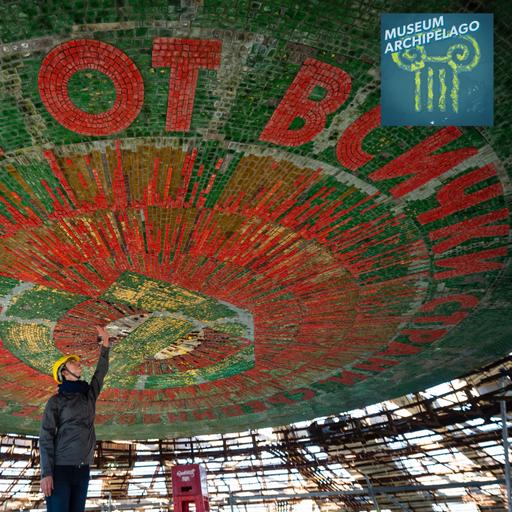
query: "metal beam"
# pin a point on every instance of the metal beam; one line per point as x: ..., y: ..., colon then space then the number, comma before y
x: 503, y: 410
x: 365, y: 491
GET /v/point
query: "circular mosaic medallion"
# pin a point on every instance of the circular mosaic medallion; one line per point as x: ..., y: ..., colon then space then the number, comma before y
x: 260, y: 249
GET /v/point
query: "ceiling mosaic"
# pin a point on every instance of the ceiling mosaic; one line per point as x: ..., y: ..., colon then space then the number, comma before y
x: 210, y: 181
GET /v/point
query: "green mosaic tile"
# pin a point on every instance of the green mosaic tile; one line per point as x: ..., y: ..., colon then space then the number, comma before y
x: 263, y: 281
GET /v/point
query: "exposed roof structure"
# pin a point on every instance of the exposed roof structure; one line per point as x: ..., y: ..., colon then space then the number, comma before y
x: 437, y: 450
x: 211, y: 182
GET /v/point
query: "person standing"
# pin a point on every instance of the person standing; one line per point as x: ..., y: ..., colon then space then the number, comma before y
x: 67, y: 438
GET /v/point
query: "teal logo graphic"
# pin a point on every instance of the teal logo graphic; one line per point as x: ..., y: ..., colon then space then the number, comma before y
x: 437, y: 69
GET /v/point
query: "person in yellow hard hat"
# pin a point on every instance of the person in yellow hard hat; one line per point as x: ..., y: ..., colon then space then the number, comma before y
x: 60, y: 366
x: 67, y: 438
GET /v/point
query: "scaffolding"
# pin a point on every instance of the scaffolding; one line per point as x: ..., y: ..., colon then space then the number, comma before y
x: 441, y: 449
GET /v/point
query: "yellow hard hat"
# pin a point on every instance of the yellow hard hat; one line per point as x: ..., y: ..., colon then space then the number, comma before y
x: 57, y: 367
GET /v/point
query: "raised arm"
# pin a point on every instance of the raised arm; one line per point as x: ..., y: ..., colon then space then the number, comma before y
x: 102, y: 366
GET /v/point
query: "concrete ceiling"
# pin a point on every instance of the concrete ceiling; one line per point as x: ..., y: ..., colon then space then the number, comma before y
x: 211, y: 182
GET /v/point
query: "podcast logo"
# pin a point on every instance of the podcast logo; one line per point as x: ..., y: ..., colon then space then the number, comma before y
x: 437, y: 69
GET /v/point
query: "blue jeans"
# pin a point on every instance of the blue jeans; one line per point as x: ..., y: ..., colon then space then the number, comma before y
x: 69, y: 489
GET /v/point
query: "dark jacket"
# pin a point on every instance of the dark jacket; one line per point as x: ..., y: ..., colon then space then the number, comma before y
x: 67, y: 436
